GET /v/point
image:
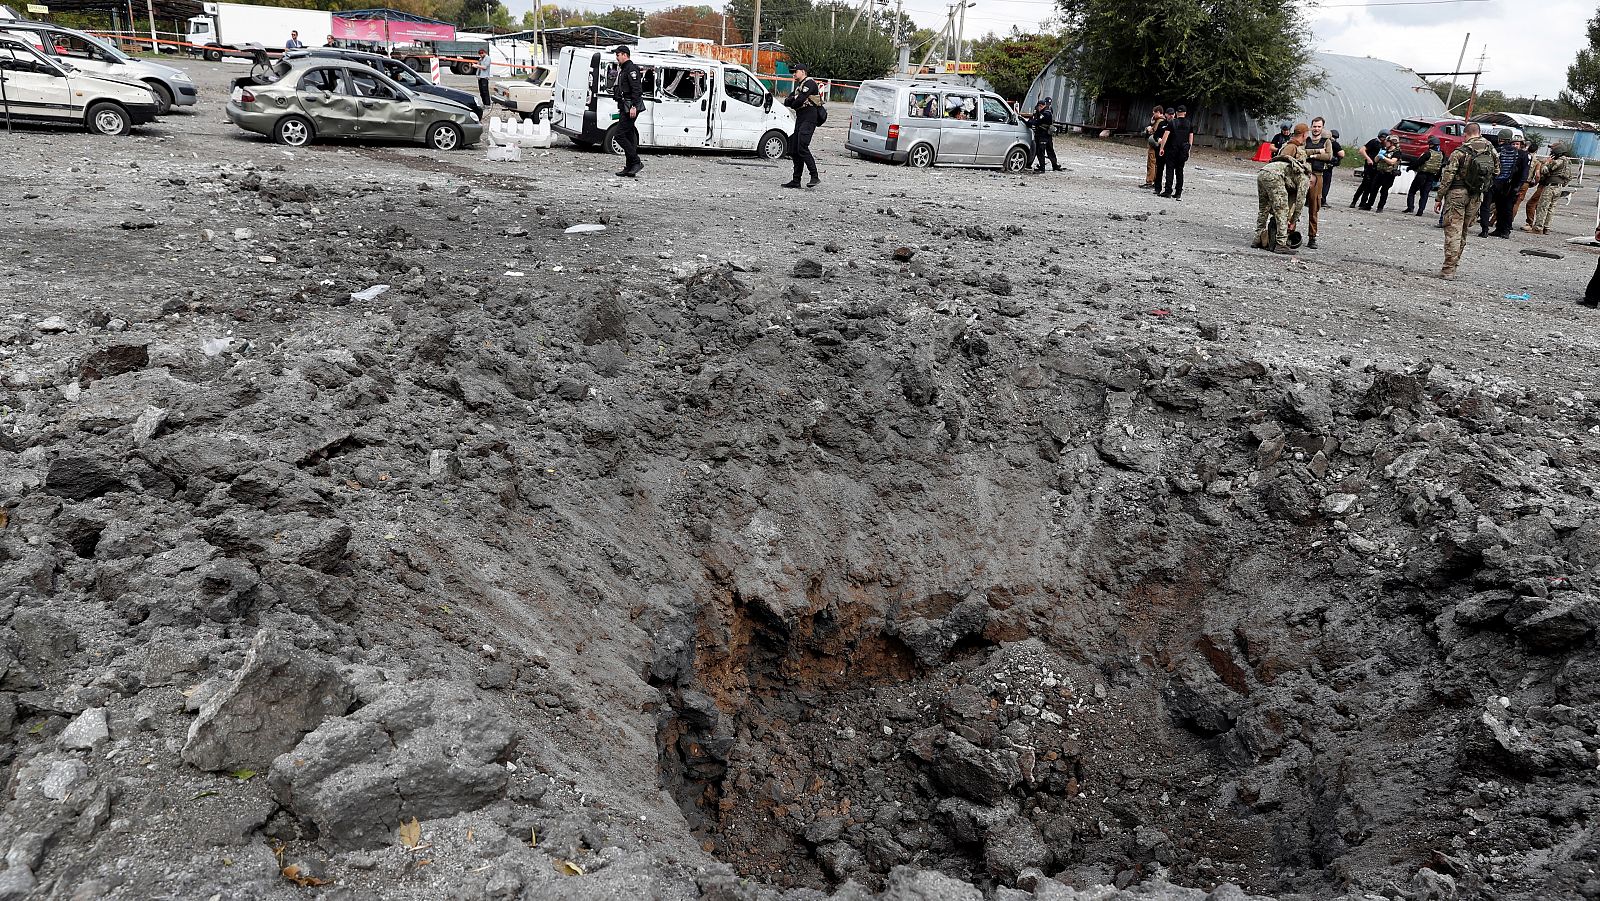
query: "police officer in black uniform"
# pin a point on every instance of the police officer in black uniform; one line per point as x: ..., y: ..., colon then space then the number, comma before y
x: 806, y: 101
x: 1043, y: 123
x: 628, y: 92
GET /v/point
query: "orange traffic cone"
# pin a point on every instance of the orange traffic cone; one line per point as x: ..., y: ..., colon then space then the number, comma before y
x: 1264, y: 152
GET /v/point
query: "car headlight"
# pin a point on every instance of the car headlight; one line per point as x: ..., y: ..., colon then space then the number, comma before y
x: 179, y: 75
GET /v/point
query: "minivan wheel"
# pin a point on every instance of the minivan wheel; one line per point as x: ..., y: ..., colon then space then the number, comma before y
x: 1016, y: 160
x: 107, y: 119
x: 610, y: 143
x: 774, y: 146
x: 444, y: 136
x: 293, y: 131
x: 163, y: 97
x: 920, y: 156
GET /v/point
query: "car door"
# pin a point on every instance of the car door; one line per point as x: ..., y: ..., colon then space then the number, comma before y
x: 682, y: 99
x: 997, y: 131
x: 740, y: 110
x: 383, y: 108
x: 323, y: 97
x: 959, y: 129
x: 33, y: 88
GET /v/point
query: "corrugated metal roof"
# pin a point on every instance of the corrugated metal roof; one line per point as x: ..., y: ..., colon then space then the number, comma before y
x: 1359, y: 97
x: 1521, y: 120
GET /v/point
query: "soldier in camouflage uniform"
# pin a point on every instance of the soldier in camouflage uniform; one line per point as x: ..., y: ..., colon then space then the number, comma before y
x: 1281, y: 190
x: 1551, y: 181
x: 1467, y: 176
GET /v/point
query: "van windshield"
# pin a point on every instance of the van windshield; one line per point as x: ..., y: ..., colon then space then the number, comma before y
x: 876, y: 98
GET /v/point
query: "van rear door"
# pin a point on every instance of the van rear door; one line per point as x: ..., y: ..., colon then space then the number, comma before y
x: 875, y: 112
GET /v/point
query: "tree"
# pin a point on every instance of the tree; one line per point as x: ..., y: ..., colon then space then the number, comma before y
x: 776, y: 15
x: 1251, y: 54
x: 1583, y: 76
x: 700, y: 22
x: 621, y: 18
x: 835, y: 51
x: 1011, y: 63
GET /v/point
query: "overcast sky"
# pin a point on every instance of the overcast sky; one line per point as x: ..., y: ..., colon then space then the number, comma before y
x: 1530, y: 42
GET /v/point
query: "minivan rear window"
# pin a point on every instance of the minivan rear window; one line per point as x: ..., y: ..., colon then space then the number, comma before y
x: 876, y: 98
x: 1412, y: 126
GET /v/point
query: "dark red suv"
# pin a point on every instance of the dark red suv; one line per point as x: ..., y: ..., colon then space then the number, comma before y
x: 1414, y: 135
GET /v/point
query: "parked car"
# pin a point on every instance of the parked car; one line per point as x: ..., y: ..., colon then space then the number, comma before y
x: 533, y: 97
x: 397, y: 70
x: 690, y: 102
x: 171, y: 87
x: 1414, y: 135
x: 43, y: 89
x: 310, y: 98
x: 924, y: 124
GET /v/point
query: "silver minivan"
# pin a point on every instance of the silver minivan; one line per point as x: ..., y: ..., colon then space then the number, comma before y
x: 924, y: 123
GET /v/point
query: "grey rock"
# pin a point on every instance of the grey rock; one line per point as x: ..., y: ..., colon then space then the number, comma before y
x: 1013, y: 847
x: 808, y: 269
x: 279, y: 695
x: 909, y: 884
x: 28, y: 850
x: 147, y: 424
x: 1559, y: 621
x: 81, y: 477
x: 62, y: 777
x: 87, y: 731
x: 17, y: 884
x: 424, y: 754
x: 52, y: 324
x: 973, y: 772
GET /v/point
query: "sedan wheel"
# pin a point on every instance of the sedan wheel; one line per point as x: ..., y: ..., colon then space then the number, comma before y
x: 292, y: 131
x: 108, y: 119
x: 444, y: 136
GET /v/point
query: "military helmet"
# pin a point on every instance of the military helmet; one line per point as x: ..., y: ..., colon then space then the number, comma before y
x: 1507, y: 134
x: 1558, y: 149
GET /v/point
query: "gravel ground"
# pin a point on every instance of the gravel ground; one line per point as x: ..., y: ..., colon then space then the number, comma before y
x: 924, y: 535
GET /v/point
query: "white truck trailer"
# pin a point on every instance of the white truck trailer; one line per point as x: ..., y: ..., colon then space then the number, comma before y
x: 239, y: 29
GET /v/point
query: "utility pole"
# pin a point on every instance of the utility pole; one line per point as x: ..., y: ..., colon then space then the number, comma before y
x: 1472, y: 98
x: 724, y: 41
x: 149, y: 6
x: 755, y: 41
x: 961, y: 33
x: 1459, y: 60
x: 944, y: 35
x: 1531, y: 103
x: 833, y: 17
x: 897, y: 19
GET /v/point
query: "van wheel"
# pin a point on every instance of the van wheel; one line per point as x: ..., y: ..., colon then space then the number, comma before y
x: 774, y: 145
x: 920, y: 157
x: 163, y: 97
x: 107, y: 119
x: 444, y: 136
x: 293, y: 131
x: 212, y: 56
x: 1016, y: 160
x: 610, y: 144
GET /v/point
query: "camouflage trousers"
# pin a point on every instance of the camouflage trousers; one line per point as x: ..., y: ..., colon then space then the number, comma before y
x: 1457, y: 203
x: 1547, y: 206
x: 1272, y: 195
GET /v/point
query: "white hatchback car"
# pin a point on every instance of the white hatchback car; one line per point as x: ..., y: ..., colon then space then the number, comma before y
x: 171, y: 87
x: 40, y: 89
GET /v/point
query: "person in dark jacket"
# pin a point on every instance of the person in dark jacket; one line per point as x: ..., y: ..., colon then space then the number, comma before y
x: 1174, y: 150
x: 1508, y: 181
x: 1424, y: 176
x: 1042, y: 123
x: 1591, y: 297
x: 628, y: 92
x: 806, y: 100
x: 1338, y: 157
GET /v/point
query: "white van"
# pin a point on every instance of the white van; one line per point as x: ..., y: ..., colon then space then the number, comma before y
x: 88, y: 53
x: 690, y: 102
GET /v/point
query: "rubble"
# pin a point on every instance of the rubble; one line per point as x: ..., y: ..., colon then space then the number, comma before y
x: 686, y: 566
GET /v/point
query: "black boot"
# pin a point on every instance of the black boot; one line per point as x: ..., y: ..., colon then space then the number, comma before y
x: 792, y: 183
x: 814, y: 182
